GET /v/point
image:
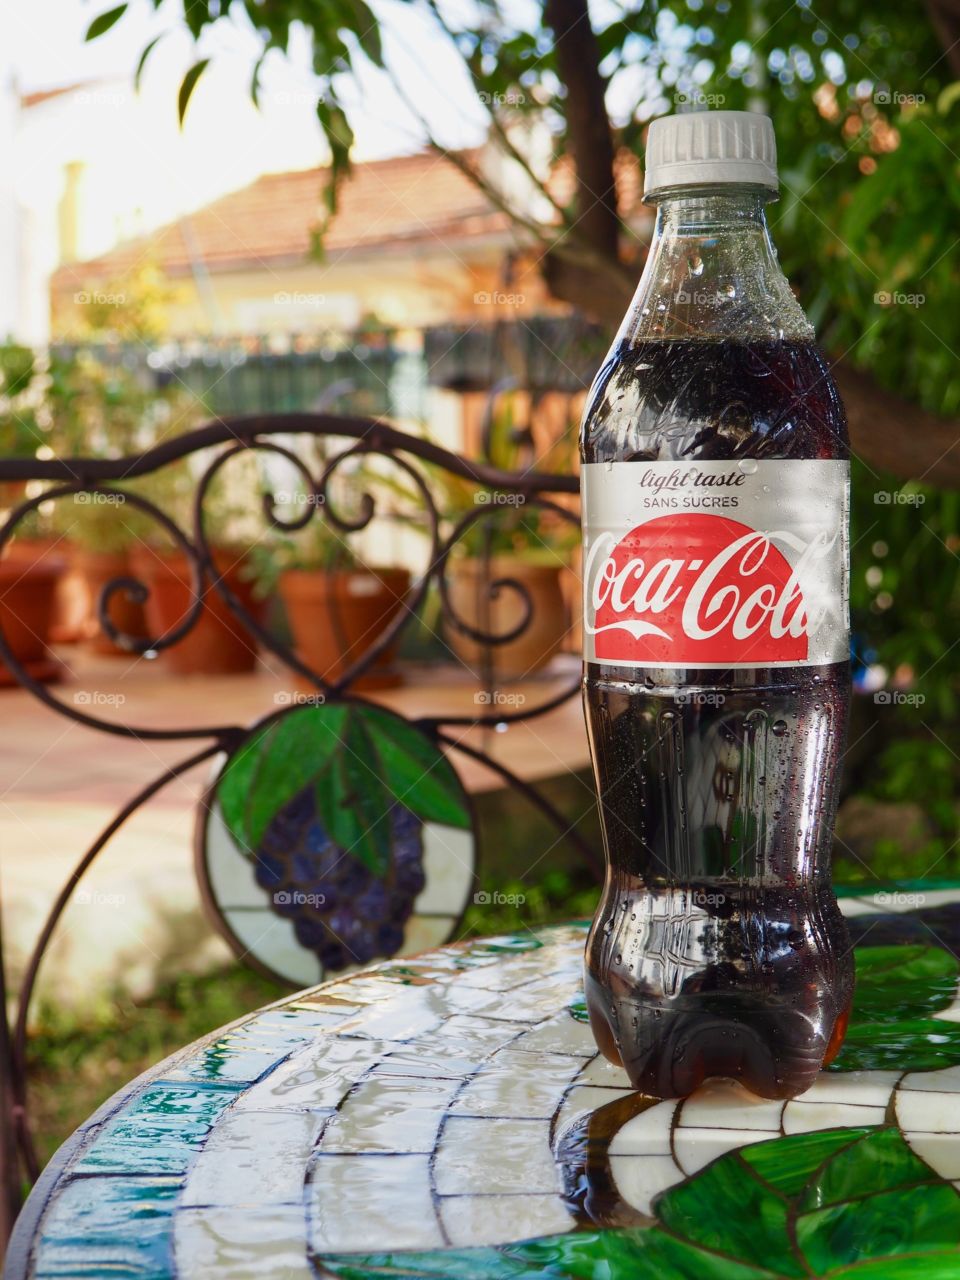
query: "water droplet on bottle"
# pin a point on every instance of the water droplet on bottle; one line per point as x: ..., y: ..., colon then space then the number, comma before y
x: 747, y: 465
x: 729, y: 291
x: 779, y: 727
x: 695, y: 265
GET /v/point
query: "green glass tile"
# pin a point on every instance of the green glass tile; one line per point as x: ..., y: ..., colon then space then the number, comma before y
x: 758, y: 1231
x: 578, y: 1007
x: 788, y: 1163
x: 922, y: 1044
x: 890, y: 1222
x: 234, y: 1060
x: 106, y: 1226
x: 880, y: 1161
x: 902, y: 982
x: 160, y: 1131
x: 923, y: 1266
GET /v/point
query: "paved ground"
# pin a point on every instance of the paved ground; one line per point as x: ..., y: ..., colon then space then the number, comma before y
x: 137, y: 912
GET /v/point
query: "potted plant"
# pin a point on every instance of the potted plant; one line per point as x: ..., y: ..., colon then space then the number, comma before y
x: 514, y: 542
x: 31, y: 568
x: 335, y: 607
x: 218, y: 643
x: 523, y: 547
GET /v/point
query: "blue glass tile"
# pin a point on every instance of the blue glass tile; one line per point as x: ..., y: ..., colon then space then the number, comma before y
x: 107, y: 1226
x: 160, y: 1131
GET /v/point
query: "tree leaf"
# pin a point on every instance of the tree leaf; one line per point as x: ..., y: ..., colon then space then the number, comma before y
x: 104, y: 21
x: 141, y: 65
x: 188, y: 84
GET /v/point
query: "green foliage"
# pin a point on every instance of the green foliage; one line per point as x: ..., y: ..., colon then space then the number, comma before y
x: 21, y: 432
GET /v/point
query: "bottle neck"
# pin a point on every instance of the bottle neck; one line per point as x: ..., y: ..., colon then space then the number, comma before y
x: 712, y: 272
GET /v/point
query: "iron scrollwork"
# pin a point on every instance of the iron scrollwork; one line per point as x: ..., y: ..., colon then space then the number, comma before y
x: 357, y: 440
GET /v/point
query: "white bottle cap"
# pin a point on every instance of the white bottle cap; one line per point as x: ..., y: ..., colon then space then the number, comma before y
x: 700, y: 148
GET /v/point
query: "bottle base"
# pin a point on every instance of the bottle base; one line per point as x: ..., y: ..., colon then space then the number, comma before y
x: 668, y: 1052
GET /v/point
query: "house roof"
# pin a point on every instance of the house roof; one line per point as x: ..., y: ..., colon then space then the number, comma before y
x: 383, y: 203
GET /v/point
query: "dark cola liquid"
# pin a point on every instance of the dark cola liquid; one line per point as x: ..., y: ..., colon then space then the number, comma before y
x: 718, y: 948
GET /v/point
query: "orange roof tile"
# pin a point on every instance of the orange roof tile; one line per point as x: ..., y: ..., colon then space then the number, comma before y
x: 421, y: 197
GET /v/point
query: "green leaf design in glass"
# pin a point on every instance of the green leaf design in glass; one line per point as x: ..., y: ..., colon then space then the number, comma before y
x: 841, y: 1202
x: 361, y: 760
x: 897, y: 989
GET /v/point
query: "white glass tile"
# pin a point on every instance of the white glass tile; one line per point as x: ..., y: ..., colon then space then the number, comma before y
x: 355, y: 1203
x: 491, y: 1220
x: 487, y: 1157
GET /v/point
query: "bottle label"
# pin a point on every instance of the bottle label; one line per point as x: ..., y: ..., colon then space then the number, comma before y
x: 716, y: 564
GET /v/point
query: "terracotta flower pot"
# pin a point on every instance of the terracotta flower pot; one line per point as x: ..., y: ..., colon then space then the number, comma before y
x: 336, y: 617
x: 97, y: 568
x: 28, y: 584
x: 472, y: 603
x: 218, y: 643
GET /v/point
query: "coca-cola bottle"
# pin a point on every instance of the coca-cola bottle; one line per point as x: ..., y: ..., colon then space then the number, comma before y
x: 716, y: 668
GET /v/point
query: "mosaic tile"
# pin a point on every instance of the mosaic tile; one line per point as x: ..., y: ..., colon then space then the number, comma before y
x: 581, y: 1100
x: 389, y: 1114
x: 483, y: 1220
x: 694, y: 1149
x: 108, y: 1226
x: 639, y: 1179
x: 316, y: 1080
x: 353, y: 1201
x: 927, y: 1112
x: 478, y: 1157
x: 727, y: 1105
x: 239, y: 1245
x: 465, y: 1084
x: 804, y: 1117
x: 161, y: 1131
x: 506, y: 1087
x: 254, y: 1158
x: 558, y: 1034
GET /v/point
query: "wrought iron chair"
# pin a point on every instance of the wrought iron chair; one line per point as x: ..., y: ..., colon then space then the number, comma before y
x: 291, y: 800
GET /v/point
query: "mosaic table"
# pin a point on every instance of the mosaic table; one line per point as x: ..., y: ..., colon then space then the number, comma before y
x: 448, y: 1116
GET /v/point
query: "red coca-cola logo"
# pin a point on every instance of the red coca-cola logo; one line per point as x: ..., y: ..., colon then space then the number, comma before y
x: 689, y: 588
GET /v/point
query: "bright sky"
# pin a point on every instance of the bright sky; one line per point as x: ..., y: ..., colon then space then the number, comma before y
x: 44, y: 47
